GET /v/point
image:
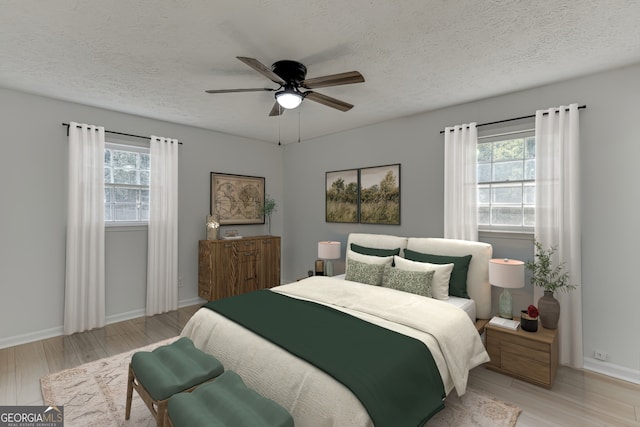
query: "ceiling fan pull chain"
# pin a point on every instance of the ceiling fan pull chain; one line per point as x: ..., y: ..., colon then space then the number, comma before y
x: 299, y: 125
x: 279, y: 116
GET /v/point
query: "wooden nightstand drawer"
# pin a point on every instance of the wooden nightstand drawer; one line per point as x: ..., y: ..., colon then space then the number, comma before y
x: 512, y: 350
x: 528, y: 356
x: 526, y: 363
x: 524, y: 342
x: 526, y: 368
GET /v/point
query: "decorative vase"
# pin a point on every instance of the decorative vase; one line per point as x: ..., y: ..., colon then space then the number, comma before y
x: 549, y: 308
x: 529, y: 325
x: 213, y: 228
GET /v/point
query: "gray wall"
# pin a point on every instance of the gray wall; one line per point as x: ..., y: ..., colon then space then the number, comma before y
x: 33, y: 215
x: 610, y: 229
x: 33, y: 195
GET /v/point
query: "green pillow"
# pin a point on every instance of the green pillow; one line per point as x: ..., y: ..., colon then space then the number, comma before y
x: 415, y: 282
x: 374, y: 251
x: 370, y: 274
x: 458, y: 279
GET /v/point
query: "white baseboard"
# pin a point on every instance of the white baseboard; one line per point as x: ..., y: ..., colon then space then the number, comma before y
x: 59, y: 330
x: 192, y: 301
x: 611, y: 370
x: 120, y: 317
x: 31, y: 337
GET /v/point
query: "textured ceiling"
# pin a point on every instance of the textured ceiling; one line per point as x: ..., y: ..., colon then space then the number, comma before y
x: 155, y: 58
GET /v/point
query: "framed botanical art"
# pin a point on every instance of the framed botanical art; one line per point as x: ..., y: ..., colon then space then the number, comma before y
x: 237, y: 199
x: 379, y: 195
x: 341, y: 196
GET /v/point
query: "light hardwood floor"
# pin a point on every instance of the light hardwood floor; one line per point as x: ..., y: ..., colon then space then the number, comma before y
x: 578, y: 398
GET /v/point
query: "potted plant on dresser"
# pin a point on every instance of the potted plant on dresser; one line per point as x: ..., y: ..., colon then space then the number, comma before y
x: 551, y: 279
x: 268, y: 207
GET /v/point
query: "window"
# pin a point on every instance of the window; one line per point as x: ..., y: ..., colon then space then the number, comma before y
x: 506, y: 173
x: 126, y: 184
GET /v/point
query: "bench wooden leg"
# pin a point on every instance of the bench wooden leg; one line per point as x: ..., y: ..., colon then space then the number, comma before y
x: 127, y: 413
x: 162, y: 412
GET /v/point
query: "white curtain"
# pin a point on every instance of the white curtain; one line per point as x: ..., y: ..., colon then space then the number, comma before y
x: 162, y: 251
x: 558, y: 216
x: 84, y: 295
x: 460, y: 182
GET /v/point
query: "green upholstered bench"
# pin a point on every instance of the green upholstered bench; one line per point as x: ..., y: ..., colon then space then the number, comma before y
x: 227, y: 402
x: 167, y: 370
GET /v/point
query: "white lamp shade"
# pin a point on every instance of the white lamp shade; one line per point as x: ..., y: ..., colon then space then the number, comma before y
x: 329, y: 250
x: 506, y: 273
x: 288, y: 100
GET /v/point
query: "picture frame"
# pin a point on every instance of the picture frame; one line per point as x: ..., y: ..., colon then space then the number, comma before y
x: 237, y: 199
x: 341, y: 196
x: 379, y: 195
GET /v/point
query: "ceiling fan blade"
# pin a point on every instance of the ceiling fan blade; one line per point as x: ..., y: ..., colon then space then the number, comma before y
x: 328, y: 101
x: 347, y: 78
x: 276, y: 110
x: 259, y: 89
x: 262, y: 69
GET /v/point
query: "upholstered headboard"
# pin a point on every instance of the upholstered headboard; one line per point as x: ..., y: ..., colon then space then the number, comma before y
x: 478, y: 286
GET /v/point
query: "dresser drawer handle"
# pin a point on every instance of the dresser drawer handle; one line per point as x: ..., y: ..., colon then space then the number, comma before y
x: 228, y: 245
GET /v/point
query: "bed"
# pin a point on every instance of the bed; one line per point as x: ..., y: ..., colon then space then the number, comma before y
x: 313, y: 397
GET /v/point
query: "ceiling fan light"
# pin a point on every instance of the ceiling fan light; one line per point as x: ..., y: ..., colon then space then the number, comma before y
x: 288, y: 99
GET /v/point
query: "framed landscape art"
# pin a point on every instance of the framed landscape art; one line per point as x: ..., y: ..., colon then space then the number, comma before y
x: 379, y: 195
x: 341, y: 196
x: 237, y: 199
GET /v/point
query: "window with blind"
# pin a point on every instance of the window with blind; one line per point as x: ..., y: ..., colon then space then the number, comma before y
x: 126, y: 184
x: 506, y: 172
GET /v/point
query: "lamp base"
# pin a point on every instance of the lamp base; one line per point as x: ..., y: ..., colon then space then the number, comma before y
x: 328, y: 268
x: 506, y: 305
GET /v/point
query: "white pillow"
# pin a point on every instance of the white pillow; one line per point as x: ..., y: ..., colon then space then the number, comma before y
x: 369, y: 259
x: 440, y: 283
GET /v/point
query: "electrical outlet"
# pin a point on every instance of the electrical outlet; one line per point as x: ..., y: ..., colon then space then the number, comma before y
x: 180, y: 284
x: 600, y: 355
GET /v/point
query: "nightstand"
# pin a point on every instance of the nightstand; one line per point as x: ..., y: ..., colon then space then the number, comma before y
x: 529, y: 356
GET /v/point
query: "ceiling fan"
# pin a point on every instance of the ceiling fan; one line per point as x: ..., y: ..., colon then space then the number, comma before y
x: 291, y: 76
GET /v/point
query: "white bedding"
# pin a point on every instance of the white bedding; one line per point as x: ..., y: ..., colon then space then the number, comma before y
x: 313, y: 397
x: 465, y: 304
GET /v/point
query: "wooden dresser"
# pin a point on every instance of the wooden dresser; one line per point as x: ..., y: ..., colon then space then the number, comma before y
x: 529, y: 356
x: 233, y: 267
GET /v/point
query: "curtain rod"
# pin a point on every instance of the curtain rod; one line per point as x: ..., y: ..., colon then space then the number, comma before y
x: 517, y: 118
x: 117, y: 133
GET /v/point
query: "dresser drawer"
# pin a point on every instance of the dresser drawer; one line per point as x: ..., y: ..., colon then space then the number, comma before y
x: 249, y: 245
x: 247, y: 256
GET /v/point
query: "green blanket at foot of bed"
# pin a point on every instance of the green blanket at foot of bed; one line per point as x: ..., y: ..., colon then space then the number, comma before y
x: 394, y: 376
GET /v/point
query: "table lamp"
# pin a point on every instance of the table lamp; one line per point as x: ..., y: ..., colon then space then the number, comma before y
x: 327, y: 251
x: 507, y: 274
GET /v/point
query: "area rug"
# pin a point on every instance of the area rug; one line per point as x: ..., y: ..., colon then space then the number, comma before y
x: 94, y: 394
